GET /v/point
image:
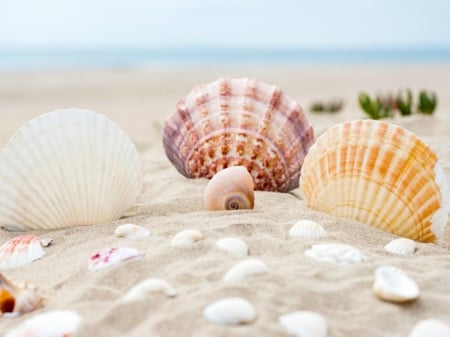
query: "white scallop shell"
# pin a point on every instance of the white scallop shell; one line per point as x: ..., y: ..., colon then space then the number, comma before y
x: 58, y: 323
x: 67, y: 168
x: 233, y: 245
x: 186, y: 238
x: 147, y: 287
x: 307, y: 229
x: 230, y: 310
x: 110, y: 256
x: 430, y: 328
x: 335, y: 252
x: 245, y: 269
x: 401, y: 246
x: 131, y: 231
x: 392, y: 284
x: 304, y: 324
x: 20, y: 251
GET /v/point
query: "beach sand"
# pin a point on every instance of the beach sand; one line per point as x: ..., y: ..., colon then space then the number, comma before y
x: 139, y: 101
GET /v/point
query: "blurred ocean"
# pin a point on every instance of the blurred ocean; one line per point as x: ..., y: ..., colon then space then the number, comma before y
x: 125, y: 58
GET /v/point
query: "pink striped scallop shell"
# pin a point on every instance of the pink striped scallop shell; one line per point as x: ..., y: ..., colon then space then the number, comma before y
x: 19, y: 251
x: 231, y: 122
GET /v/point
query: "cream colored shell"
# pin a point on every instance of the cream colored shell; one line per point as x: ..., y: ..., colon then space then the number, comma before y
x: 67, y: 168
x: 380, y: 174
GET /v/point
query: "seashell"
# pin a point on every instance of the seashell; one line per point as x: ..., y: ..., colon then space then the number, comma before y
x: 57, y: 323
x: 45, y: 242
x: 245, y: 269
x: 392, y: 284
x: 230, y: 310
x: 380, y: 174
x: 232, y: 122
x: 131, y: 231
x: 17, y: 299
x: 307, y: 229
x: 233, y: 245
x: 20, y: 251
x: 401, y: 246
x: 304, y: 324
x: 335, y: 252
x: 186, y: 238
x: 67, y: 168
x: 147, y: 287
x: 430, y: 328
x: 110, y: 256
x: 230, y: 189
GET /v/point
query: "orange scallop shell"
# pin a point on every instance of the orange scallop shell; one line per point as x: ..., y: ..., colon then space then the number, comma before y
x: 380, y: 174
x: 246, y: 122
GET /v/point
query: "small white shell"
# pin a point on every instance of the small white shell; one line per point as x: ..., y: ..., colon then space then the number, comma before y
x: 304, y: 324
x: 230, y: 310
x: 233, y: 245
x: 307, y: 229
x: 245, y: 269
x: 392, y: 284
x: 58, y: 323
x: 186, y: 238
x: 131, y: 231
x: 401, y: 246
x: 147, y: 287
x: 430, y: 328
x: 19, y: 251
x: 335, y: 252
x: 110, y: 256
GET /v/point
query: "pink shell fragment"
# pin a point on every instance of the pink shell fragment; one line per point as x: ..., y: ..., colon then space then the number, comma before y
x: 111, y: 256
x: 20, y: 251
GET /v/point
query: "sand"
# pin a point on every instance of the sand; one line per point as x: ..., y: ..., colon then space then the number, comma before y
x: 139, y: 101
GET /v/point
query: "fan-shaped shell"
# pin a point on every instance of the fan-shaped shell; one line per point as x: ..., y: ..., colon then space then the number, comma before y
x: 307, y: 229
x: 380, y: 174
x: 67, y: 168
x: 246, y: 122
x: 19, y: 251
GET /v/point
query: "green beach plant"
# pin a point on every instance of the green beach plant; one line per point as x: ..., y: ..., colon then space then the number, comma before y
x: 427, y: 102
x: 376, y: 108
x: 404, y: 102
x: 331, y: 106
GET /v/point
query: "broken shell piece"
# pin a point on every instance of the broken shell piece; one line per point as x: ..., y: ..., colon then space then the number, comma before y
x: 17, y: 299
x: 58, y: 323
x: 20, y: 251
x: 307, y: 229
x: 430, y: 328
x: 45, y: 242
x: 186, y: 238
x: 233, y: 245
x: 230, y: 189
x: 131, y: 231
x: 110, y: 256
x: 335, y: 252
x: 230, y: 310
x: 245, y: 269
x: 392, y: 284
x: 401, y: 246
x: 304, y: 324
x: 147, y: 287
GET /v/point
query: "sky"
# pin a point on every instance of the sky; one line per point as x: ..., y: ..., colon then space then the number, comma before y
x: 224, y: 23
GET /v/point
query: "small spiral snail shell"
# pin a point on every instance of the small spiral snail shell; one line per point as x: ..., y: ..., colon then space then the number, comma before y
x: 230, y: 189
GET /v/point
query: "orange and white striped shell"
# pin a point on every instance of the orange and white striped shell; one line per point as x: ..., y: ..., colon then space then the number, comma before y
x: 246, y: 122
x: 380, y: 174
